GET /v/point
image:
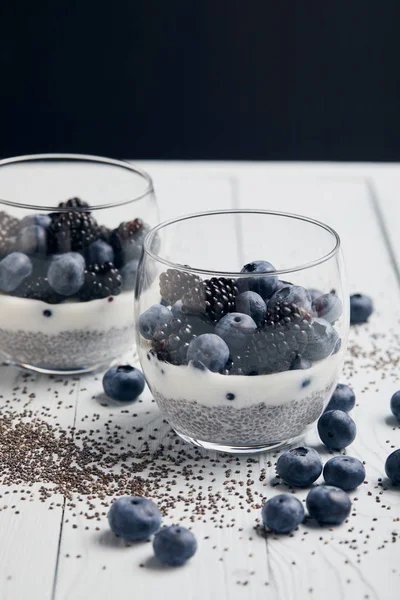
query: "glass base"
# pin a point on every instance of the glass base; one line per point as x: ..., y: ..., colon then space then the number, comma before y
x: 256, y: 449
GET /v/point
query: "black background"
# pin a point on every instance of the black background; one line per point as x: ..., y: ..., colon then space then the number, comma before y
x: 209, y: 79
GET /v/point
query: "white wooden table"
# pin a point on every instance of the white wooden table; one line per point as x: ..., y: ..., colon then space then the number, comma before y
x: 39, y: 548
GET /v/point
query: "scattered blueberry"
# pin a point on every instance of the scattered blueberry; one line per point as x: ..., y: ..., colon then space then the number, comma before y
x: 322, y: 340
x: 123, y: 383
x: 300, y: 363
x: 395, y: 405
x: 174, y: 545
x: 328, y: 505
x: 47, y: 313
x: 328, y: 307
x: 14, y: 268
x: 134, y: 518
x: 314, y: 294
x: 392, y: 467
x: 251, y: 303
x: 66, y: 273
x: 150, y: 320
x: 299, y: 467
x: 37, y: 219
x: 230, y: 396
x: 361, y: 308
x: 128, y: 274
x: 31, y: 240
x: 343, y: 398
x: 282, y: 513
x: 345, y: 472
x: 264, y: 286
x: 99, y: 252
x: 293, y: 294
x: 235, y: 329
x: 336, y: 429
x: 210, y: 350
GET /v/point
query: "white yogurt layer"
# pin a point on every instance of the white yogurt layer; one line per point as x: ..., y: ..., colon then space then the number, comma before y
x: 22, y: 314
x: 188, y: 383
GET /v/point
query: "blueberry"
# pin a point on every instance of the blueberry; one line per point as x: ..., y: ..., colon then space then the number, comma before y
x: 210, y: 350
x: 99, y: 252
x: 235, y: 329
x: 392, y: 467
x: 150, y: 320
x: 174, y: 545
x: 128, y: 274
x: 31, y: 240
x: 14, y: 268
x: 176, y: 310
x: 38, y: 219
x: 264, y: 286
x: 123, y: 383
x: 300, y: 363
x: 321, y: 341
x: 314, y: 294
x: 282, y: 513
x: 361, y: 308
x: 299, y: 467
x: 328, y: 307
x: 66, y: 273
x: 134, y: 518
x: 343, y: 398
x: 293, y: 294
x: 345, y: 472
x: 281, y: 284
x: 336, y: 429
x: 395, y: 405
x: 230, y: 396
x: 253, y: 305
x: 328, y: 505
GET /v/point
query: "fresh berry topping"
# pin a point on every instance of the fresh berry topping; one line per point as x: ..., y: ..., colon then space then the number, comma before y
x: 171, y: 341
x: 99, y: 252
x: 392, y: 467
x: 236, y: 329
x: 134, y: 518
x: 299, y: 467
x: 100, y: 281
x: 361, y: 308
x: 153, y: 318
x: 322, y: 340
x: 344, y: 472
x: 74, y: 203
x: 127, y: 241
x: 328, y: 505
x: 8, y: 229
x: 66, y: 273
x: 35, y: 219
x: 336, y: 429
x: 123, y: 383
x: 210, y: 350
x: 282, y: 513
x: 104, y: 233
x: 328, y: 307
x: 31, y: 239
x: 175, y: 284
x: 314, y: 294
x: 253, y: 305
x: 294, y: 294
x: 343, y: 398
x: 38, y: 288
x: 174, y: 545
x: 14, y: 268
x: 264, y: 286
x: 212, y: 298
x: 128, y: 274
x: 71, y: 230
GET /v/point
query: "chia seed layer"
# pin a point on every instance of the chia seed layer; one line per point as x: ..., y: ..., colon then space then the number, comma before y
x: 259, y: 424
x: 67, y: 350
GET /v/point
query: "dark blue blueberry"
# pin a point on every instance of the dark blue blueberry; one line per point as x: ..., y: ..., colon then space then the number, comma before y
x: 361, y: 308
x: 253, y: 305
x: 336, y: 429
x: 345, y: 472
x: 174, y: 545
x: 47, y: 313
x: 395, y: 405
x: 293, y: 294
x: 134, y: 518
x: 328, y: 505
x: 328, y: 307
x: 321, y: 341
x: 235, y: 329
x: 230, y: 396
x: 14, y: 268
x: 282, y: 513
x: 176, y: 310
x: 99, y: 252
x: 343, y: 398
x: 314, y: 294
x: 264, y: 286
x: 123, y: 383
x: 152, y: 318
x: 306, y: 383
x: 281, y: 284
x: 38, y: 219
x: 300, y: 363
x: 128, y: 274
x: 210, y: 350
x: 392, y: 467
x: 299, y: 467
x: 66, y: 273
x: 31, y: 240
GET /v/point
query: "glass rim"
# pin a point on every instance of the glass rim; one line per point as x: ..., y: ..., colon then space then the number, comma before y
x: 151, y: 234
x: 88, y: 158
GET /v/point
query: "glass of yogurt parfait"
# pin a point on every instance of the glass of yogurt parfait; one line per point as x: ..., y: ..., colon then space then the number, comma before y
x: 242, y: 332
x: 71, y: 234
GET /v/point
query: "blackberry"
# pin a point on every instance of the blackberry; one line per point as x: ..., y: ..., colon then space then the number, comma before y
x: 212, y: 298
x: 127, y: 241
x: 38, y: 288
x: 101, y: 281
x: 175, y: 284
x: 8, y: 229
x: 171, y: 341
x: 74, y: 203
x: 71, y: 230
